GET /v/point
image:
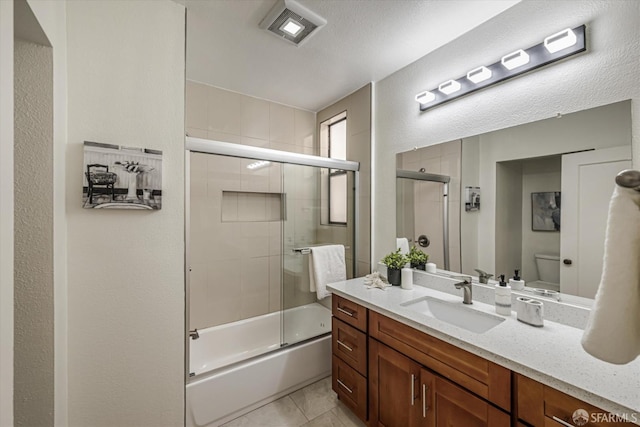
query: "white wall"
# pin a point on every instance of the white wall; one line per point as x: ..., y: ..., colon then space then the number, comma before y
x: 126, y: 268
x: 6, y: 213
x: 602, y: 127
x: 538, y: 175
x: 33, y: 263
x: 357, y: 106
x: 51, y: 16
x: 606, y: 73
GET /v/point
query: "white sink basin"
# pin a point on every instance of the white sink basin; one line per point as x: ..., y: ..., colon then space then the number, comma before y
x: 454, y: 313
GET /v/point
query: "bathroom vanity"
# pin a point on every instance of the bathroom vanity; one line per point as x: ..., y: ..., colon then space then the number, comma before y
x: 395, y: 363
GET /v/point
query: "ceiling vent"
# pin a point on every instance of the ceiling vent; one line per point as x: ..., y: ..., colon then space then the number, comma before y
x: 291, y: 21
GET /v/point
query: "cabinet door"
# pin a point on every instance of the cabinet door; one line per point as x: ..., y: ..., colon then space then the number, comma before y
x: 394, y: 389
x: 448, y: 405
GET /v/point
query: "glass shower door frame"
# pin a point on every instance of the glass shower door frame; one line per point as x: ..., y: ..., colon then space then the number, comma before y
x: 206, y: 146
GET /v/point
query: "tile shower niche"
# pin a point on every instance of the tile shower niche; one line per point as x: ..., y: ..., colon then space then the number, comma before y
x: 243, y: 206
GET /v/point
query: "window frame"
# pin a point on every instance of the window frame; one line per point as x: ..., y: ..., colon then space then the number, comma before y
x: 336, y: 172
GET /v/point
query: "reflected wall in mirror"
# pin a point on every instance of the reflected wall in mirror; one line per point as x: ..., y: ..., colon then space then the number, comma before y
x: 422, y: 202
x: 576, y: 154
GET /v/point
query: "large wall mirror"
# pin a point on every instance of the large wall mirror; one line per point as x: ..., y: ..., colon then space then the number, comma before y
x: 532, y: 197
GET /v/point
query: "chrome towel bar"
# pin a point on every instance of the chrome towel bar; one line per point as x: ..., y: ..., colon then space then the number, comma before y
x: 306, y: 251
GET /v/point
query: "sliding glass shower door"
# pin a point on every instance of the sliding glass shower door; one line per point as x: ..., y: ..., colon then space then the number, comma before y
x: 318, y: 210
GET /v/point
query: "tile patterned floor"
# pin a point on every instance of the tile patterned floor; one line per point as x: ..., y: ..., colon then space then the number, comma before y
x: 316, y: 405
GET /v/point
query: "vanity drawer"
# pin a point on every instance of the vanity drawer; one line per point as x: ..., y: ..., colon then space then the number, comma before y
x: 539, y: 404
x: 350, y: 386
x: 350, y: 345
x: 349, y: 312
x: 478, y: 375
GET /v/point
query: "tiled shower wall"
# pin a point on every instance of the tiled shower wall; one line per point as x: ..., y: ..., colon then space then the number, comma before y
x: 235, y: 241
x: 443, y: 159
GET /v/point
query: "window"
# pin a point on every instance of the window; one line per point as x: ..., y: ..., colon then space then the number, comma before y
x: 334, y: 145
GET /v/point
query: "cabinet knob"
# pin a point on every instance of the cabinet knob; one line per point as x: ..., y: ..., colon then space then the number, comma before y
x: 567, y: 261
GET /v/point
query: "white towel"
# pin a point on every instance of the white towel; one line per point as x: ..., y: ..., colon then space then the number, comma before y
x: 326, y: 265
x: 402, y: 243
x: 613, y: 330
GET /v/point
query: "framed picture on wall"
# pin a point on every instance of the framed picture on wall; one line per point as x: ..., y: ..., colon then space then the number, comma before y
x: 471, y: 199
x: 118, y: 177
x: 545, y: 211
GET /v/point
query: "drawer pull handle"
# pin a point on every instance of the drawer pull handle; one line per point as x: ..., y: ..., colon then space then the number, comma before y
x: 425, y: 408
x: 344, y: 386
x: 413, y: 395
x: 342, y: 310
x: 564, y: 423
x: 344, y: 345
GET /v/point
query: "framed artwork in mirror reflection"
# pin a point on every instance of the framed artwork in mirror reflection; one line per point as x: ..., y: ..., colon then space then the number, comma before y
x: 471, y: 199
x: 545, y: 211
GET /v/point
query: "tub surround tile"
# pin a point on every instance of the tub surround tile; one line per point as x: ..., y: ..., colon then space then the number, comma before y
x: 281, y: 123
x: 215, y: 135
x: 255, y: 142
x: 255, y: 304
x: 224, y: 110
x: 197, y: 133
x: 255, y: 118
x: 305, y: 126
x: 196, y: 106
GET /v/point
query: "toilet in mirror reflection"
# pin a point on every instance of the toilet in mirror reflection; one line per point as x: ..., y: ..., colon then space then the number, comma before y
x: 548, y: 268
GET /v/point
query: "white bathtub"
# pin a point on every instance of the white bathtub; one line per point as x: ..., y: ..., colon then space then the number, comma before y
x: 236, y: 368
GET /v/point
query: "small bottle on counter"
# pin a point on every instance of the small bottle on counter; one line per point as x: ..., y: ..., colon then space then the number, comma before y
x: 503, y: 297
x: 407, y: 278
x: 517, y: 284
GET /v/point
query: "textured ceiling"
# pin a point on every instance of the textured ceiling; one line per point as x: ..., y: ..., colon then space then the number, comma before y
x: 363, y: 41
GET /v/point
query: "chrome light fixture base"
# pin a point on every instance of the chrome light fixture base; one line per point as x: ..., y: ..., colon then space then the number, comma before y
x: 538, y: 56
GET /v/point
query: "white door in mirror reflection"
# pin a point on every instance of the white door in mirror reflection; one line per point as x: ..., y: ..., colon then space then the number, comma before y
x: 588, y: 180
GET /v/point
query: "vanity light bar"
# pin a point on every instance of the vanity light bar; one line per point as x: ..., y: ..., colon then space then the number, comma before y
x: 555, y: 47
x: 562, y: 40
x: 515, y: 59
x: 449, y: 87
x: 425, y: 97
x: 479, y: 74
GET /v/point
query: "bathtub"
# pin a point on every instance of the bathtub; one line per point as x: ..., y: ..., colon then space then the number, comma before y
x: 240, y: 366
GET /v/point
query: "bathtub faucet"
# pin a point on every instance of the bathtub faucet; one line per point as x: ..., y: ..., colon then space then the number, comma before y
x: 194, y: 335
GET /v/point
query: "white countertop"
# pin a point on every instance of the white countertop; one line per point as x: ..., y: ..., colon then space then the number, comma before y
x: 551, y: 354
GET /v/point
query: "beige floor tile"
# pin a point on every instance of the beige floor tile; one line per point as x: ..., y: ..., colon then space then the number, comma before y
x: 239, y: 422
x: 281, y: 413
x: 346, y: 417
x: 328, y: 419
x: 315, y: 399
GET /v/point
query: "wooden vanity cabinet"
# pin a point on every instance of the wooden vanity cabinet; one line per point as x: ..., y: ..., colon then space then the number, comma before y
x: 486, y: 379
x: 541, y: 405
x: 349, y: 355
x: 404, y: 393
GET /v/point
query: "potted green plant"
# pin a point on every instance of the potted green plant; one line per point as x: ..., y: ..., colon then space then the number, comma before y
x: 417, y: 258
x: 394, y: 262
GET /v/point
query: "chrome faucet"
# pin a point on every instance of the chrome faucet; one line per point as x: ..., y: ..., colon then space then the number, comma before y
x: 466, y: 286
x: 483, y: 277
x: 194, y: 335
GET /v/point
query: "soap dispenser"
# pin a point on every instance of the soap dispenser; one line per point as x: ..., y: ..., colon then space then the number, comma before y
x: 516, y: 283
x: 503, y: 297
